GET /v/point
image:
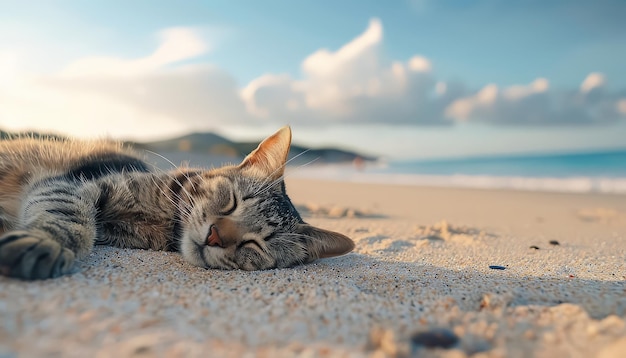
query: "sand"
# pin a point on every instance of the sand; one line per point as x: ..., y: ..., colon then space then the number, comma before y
x: 419, y: 283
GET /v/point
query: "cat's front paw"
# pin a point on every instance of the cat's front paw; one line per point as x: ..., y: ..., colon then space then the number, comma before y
x: 25, y: 256
x: 250, y: 259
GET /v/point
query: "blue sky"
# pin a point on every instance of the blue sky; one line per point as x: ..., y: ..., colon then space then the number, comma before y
x: 429, y: 78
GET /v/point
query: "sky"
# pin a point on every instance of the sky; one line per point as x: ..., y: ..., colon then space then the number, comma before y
x: 400, y: 78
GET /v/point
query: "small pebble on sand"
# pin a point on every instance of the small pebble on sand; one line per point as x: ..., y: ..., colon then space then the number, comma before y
x: 554, y: 242
x: 435, y: 338
x: 496, y: 267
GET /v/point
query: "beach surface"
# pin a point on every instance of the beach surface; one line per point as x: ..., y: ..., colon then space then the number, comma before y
x: 436, y: 272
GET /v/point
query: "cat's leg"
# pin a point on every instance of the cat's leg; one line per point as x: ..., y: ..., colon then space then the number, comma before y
x: 56, y: 223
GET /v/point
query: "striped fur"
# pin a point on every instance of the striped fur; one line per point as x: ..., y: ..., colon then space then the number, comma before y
x: 59, y: 198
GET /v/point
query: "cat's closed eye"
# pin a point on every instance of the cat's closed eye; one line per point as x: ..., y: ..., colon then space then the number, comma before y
x: 224, y: 198
x: 231, y: 206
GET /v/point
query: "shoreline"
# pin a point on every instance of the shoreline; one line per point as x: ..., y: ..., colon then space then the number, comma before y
x: 574, y: 184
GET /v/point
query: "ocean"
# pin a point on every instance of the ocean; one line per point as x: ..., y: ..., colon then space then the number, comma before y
x: 601, y: 172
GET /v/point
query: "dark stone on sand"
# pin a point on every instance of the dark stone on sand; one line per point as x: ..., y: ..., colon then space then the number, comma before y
x: 435, y: 338
x: 496, y: 267
x: 554, y: 242
x: 534, y: 247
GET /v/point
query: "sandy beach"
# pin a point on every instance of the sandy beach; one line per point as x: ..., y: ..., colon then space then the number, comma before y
x: 436, y: 272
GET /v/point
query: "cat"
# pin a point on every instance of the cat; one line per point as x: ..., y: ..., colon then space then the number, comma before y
x: 59, y: 198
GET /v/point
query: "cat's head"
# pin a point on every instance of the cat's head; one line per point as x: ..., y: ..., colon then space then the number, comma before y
x: 242, y: 218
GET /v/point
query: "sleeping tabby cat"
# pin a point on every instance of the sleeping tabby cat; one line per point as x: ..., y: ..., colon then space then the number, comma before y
x: 59, y: 198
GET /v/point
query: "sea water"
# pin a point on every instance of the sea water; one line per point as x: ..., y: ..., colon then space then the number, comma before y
x: 603, y: 172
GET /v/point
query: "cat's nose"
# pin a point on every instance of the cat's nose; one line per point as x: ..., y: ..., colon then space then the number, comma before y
x: 223, y: 233
x: 213, y: 238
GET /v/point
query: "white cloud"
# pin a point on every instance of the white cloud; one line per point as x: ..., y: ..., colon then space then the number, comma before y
x: 361, y: 52
x: 621, y: 106
x: 491, y: 102
x: 194, y: 96
x: 592, y: 81
x: 536, y: 104
x: 420, y: 64
x: 144, y: 97
x: 269, y: 94
x: 353, y: 84
x: 176, y: 44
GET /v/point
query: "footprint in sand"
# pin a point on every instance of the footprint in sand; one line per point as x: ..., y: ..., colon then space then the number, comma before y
x: 445, y: 232
x: 382, y: 243
x: 335, y: 212
x: 601, y: 215
x: 437, y: 234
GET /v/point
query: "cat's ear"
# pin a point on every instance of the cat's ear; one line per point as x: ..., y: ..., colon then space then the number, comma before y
x: 269, y: 158
x: 324, y: 243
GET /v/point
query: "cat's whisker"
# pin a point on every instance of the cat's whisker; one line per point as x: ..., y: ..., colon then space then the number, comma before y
x: 287, y: 162
x: 180, y: 204
x: 163, y: 157
x: 176, y: 205
x: 203, y: 179
x: 173, y: 177
x: 180, y: 201
x: 308, y: 163
x: 164, y: 184
x: 182, y: 187
x: 282, y: 177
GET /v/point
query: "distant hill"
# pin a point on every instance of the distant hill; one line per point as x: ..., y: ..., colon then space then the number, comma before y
x: 213, y: 144
x: 205, y: 143
x: 217, y: 146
